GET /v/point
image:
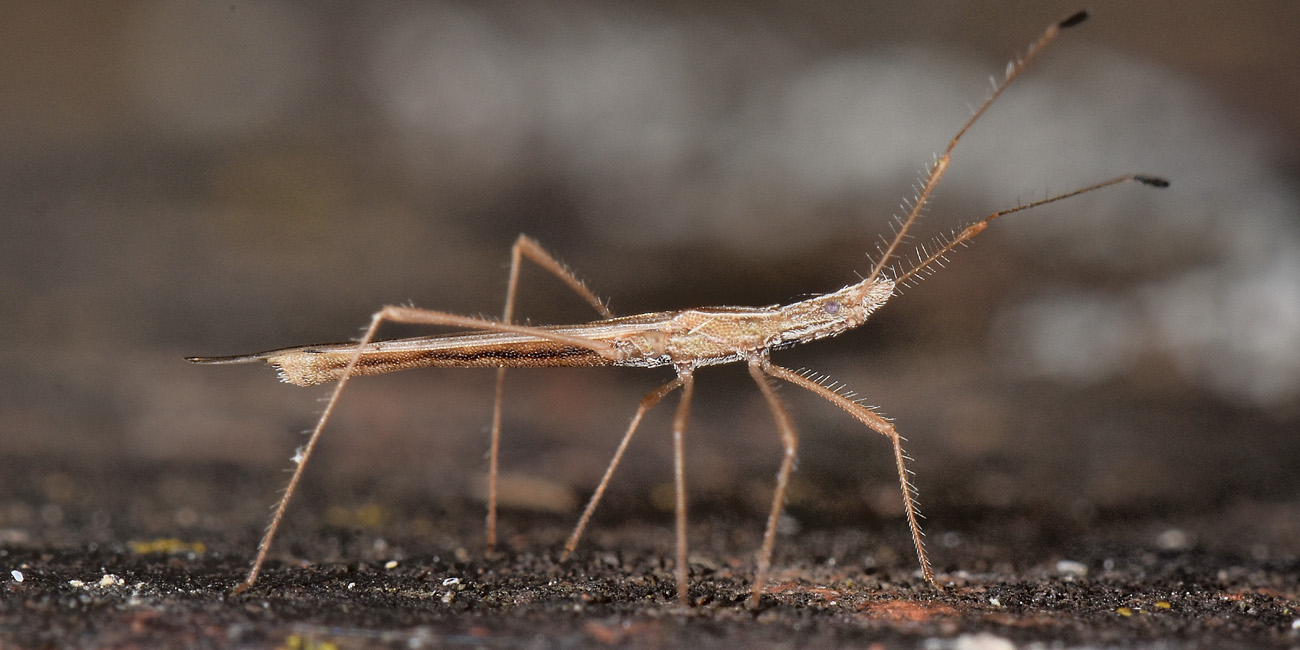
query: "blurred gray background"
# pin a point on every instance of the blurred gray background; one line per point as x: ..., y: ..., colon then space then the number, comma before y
x: 198, y: 178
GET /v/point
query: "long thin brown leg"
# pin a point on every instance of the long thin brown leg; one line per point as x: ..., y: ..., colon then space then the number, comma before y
x: 872, y: 419
x: 790, y: 444
x: 303, y: 454
x: 679, y: 479
x: 421, y: 316
x: 410, y: 315
x: 524, y: 247
x: 648, y: 402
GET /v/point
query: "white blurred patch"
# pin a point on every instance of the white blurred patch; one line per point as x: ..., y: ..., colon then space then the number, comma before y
x: 447, y: 80
x: 1070, y: 336
x: 1235, y: 330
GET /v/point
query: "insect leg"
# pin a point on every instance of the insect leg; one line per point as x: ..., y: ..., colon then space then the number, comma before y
x: 524, y: 247
x: 679, y: 478
x: 882, y: 426
x: 790, y: 443
x: 648, y: 402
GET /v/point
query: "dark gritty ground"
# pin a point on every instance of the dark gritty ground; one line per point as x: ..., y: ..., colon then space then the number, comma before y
x: 385, y: 564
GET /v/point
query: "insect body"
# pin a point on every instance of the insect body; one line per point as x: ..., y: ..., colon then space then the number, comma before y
x: 691, y: 337
x: 686, y: 340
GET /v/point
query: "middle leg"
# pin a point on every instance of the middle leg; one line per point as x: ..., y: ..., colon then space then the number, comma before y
x: 679, y: 479
x: 648, y: 402
x: 790, y: 445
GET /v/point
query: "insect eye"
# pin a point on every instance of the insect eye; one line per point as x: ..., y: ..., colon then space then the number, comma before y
x: 831, y: 307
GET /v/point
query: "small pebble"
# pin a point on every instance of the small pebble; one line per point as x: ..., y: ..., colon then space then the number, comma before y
x: 1071, y: 568
x: 982, y: 641
x: 1173, y: 540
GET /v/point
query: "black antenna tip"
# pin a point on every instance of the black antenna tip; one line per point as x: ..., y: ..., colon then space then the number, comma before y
x: 1153, y: 181
x: 1074, y: 19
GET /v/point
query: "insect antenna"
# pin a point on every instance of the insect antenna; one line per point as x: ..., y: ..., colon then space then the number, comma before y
x: 929, y: 261
x: 936, y: 171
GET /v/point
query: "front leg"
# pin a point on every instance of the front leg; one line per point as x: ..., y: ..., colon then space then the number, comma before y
x: 882, y: 426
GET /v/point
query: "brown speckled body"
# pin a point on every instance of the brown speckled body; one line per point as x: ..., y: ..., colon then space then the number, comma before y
x: 689, y: 338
